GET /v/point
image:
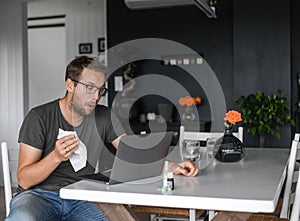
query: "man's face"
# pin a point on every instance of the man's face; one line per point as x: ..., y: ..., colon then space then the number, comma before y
x: 83, y: 100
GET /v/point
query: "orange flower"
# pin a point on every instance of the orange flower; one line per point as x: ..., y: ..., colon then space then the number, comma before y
x: 189, y: 101
x: 233, y: 117
x: 181, y: 101
x: 198, y: 100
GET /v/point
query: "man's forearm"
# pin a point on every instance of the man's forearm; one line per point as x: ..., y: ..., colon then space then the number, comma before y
x: 36, y: 173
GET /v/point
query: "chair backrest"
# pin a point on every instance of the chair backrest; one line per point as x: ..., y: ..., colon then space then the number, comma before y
x: 6, y: 176
x: 295, y: 195
x: 203, y: 136
x: 297, y: 137
x: 292, y: 177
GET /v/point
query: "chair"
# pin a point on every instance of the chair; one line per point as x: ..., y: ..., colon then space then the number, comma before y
x: 291, y: 199
x: 6, y: 176
x: 296, y: 205
x: 297, y: 166
x: 292, y: 178
x: 203, y: 136
x: 162, y: 213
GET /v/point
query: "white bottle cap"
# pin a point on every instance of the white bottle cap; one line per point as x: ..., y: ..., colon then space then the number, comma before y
x: 166, y: 169
x: 170, y: 175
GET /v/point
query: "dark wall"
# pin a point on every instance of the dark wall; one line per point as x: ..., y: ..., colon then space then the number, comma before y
x: 248, y: 47
x: 261, y: 51
x: 295, y: 61
x: 185, y: 25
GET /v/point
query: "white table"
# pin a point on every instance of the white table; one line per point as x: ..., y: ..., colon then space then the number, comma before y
x: 250, y: 185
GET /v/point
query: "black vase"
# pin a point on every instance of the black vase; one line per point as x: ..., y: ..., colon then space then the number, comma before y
x: 231, y: 149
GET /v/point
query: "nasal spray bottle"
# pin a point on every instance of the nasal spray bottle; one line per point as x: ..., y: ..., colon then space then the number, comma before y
x: 168, y: 182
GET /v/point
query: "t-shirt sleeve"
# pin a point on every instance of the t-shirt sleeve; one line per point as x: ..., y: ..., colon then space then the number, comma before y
x: 32, y: 131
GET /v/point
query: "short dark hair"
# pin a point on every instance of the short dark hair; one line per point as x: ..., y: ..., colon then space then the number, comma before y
x: 76, y: 66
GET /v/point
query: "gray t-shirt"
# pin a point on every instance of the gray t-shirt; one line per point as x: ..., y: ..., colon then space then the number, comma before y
x: 40, y: 129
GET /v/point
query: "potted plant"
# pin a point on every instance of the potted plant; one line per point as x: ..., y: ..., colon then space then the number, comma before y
x: 264, y: 114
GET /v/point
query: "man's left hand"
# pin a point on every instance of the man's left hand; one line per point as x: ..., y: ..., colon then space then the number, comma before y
x: 186, y: 168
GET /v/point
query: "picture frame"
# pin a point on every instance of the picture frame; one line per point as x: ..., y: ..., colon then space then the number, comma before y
x: 184, y: 59
x: 85, y: 48
x: 101, y: 44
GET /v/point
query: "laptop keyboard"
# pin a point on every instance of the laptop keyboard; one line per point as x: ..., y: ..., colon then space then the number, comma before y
x: 96, y: 176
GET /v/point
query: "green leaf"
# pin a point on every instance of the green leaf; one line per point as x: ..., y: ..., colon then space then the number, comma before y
x: 277, y: 134
x: 264, y: 114
x: 253, y: 131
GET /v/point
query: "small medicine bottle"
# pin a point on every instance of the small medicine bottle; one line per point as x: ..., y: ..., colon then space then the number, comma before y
x: 170, y: 181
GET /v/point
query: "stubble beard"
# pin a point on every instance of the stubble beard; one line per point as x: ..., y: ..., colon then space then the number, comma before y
x: 77, y: 106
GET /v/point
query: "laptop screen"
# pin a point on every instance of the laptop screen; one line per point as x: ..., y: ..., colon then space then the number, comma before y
x: 140, y: 157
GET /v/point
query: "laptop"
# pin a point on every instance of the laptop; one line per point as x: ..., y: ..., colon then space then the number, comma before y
x: 137, y: 157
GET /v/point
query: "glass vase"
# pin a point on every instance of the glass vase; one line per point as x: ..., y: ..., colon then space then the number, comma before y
x: 231, y: 149
x: 188, y: 115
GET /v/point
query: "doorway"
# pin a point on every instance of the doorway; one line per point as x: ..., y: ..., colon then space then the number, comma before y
x: 56, y: 28
x: 46, y: 59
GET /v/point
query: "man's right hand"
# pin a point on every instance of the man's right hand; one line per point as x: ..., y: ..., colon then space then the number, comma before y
x: 65, y: 147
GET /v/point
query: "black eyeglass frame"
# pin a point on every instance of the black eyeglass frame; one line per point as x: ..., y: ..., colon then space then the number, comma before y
x: 101, y: 90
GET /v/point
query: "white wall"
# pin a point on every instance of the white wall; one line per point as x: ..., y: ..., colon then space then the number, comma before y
x: 85, y: 20
x: 85, y: 24
x: 11, y: 72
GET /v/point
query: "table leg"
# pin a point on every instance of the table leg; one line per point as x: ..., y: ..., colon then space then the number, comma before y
x: 192, y: 215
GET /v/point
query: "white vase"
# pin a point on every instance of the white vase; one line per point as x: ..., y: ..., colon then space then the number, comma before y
x: 188, y: 115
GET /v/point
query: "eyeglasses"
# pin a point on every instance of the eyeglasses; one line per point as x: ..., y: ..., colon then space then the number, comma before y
x: 92, y: 89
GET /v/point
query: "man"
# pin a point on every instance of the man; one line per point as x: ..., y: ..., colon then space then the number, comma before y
x: 45, y: 158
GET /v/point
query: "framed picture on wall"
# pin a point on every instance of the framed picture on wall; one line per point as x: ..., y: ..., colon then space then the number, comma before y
x: 101, y: 44
x: 85, y: 48
x: 184, y: 59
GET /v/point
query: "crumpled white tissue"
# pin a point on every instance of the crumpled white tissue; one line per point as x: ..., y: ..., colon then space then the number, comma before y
x: 79, y: 157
